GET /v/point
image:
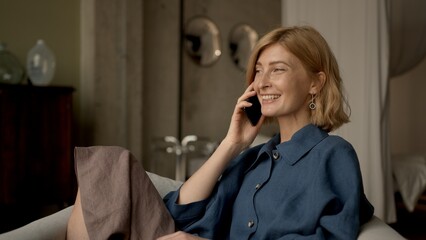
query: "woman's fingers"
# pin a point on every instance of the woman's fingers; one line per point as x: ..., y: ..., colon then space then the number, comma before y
x: 240, y: 130
x: 249, y: 92
x: 179, y: 236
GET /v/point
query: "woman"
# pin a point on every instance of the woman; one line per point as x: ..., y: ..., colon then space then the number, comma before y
x: 303, y: 183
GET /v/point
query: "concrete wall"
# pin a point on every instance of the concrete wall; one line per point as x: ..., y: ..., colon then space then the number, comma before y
x: 58, y: 23
x: 161, y: 79
x: 23, y: 22
x: 208, y: 93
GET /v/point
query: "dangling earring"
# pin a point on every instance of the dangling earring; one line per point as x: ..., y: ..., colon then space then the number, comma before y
x: 312, y: 105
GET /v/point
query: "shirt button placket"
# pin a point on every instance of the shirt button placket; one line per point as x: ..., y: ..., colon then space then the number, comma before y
x: 275, y: 155
x: 250, y: 224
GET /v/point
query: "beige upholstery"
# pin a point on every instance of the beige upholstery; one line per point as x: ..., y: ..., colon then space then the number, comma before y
x: 376, y: 229
x: 54, y: 226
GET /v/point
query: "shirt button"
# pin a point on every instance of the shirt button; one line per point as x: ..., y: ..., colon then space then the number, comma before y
x: 258, y: 186
x: 250, y: 224
x: 276, y: 155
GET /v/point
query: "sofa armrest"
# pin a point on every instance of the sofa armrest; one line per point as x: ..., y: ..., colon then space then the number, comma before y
x: 162, y: 184
x: 376, y: 229
x: 55, y: 226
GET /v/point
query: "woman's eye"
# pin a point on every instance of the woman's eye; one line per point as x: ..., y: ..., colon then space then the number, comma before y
x: 279, y: 70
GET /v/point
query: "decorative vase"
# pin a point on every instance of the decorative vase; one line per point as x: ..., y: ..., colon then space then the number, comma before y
x: 11, y: 71
x: 40, y: 64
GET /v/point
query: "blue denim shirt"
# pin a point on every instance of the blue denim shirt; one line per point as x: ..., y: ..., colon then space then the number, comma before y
x: 307, y: 188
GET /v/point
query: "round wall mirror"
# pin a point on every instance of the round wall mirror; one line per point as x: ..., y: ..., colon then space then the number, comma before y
x: 241, y: 41
x: 202, y: 41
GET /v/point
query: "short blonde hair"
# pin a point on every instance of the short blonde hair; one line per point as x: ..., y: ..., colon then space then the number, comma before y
x: 332, y: 109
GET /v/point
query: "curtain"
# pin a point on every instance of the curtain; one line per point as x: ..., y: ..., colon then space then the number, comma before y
x: 357, y: 32
x: 407, y: 24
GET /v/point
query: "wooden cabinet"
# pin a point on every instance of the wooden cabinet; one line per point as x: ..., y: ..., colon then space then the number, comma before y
x: 36, y: 150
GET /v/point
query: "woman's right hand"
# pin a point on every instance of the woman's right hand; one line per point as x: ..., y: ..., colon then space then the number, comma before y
x: 180, y: 235
x: 241, y: 133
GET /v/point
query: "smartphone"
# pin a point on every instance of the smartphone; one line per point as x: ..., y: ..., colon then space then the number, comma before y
x: 254, y: 112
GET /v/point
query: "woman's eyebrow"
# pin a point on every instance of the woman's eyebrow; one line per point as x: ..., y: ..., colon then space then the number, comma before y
x: 279, y: 62
x: 259, y: 64
x: 272, y: 63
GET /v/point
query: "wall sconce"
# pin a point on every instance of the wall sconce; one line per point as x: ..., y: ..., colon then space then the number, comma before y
x: 241, y: 41
x: 202, y: 41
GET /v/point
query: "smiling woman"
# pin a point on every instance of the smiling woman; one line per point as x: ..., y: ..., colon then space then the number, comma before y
x: 307, y: 50
x: 283, y: 86
x: 301, y: 183
x: 311, y: 179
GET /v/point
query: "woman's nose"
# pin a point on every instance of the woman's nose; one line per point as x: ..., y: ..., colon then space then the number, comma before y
x: 264, y: 81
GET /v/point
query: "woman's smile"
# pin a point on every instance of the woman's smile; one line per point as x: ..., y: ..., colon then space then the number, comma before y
x: 267, y: 97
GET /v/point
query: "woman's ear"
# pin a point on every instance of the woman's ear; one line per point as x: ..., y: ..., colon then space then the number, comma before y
x: 317, y: 83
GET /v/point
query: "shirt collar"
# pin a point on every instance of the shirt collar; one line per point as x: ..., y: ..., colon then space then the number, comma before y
x: 292, y: 151
x: 301, y: 142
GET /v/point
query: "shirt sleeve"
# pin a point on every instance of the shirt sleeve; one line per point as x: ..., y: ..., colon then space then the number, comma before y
x: 345, y: 206
x: 184, y: 214
x: 210, y: 218
x: 339, y: 199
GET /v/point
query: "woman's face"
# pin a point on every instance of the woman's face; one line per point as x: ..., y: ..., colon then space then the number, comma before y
x: 282, y: 85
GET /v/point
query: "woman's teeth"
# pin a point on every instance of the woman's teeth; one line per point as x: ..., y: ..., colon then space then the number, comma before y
x: 270, y: 97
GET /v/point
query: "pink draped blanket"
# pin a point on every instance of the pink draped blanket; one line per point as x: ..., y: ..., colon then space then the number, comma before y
x: 118, y: 199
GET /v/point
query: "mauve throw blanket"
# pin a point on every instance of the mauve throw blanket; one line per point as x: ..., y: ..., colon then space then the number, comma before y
x: 118, y: 199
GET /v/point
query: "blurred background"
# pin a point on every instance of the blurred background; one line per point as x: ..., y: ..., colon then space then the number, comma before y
x: 145, y: 74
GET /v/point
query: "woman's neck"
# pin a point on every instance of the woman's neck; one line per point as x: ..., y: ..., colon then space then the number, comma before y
x: 288, y: 128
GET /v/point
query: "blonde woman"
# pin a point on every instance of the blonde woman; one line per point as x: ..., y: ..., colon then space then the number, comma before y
x: 302, y: 184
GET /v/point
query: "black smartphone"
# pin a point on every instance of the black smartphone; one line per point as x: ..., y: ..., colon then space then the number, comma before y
x: 254, y: 112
